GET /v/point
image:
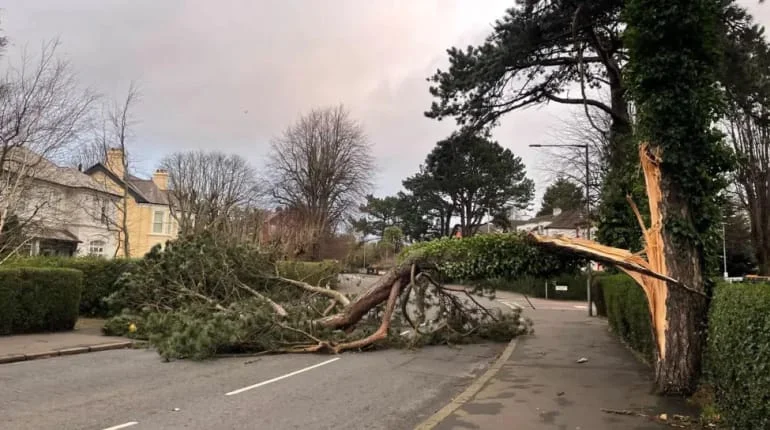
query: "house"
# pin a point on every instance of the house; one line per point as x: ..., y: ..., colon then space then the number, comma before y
x: 148, y: 216
x: 569, y: 223
x: 61, y: 210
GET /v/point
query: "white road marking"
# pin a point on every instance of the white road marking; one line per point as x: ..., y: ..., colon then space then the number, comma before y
x: 122, y: 426
x: 512, y: 305
x: 270, y: 381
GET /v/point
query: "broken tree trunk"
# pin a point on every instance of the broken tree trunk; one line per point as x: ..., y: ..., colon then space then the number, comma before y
x: 670, y: 278
x: 370, y: 299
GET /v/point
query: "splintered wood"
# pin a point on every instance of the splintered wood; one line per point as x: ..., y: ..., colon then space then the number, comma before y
x: 650, y: 272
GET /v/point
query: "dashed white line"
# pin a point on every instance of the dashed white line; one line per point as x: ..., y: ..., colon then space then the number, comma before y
x: 270, y: 381
x: 122, y: 426
x: 512, y: 305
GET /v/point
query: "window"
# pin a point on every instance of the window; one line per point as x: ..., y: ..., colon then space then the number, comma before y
x: 96, y: 247
x: 157, y: 222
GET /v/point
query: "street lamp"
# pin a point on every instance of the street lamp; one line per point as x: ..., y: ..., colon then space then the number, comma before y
x: 588, y: 212
x: 724, y: 251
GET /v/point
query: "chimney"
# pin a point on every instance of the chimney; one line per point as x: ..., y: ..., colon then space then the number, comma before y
x: 160, y: 178
x: 115, y: 162
x: 556, y: 211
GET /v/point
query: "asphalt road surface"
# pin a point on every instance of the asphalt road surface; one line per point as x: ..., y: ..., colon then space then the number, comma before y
x: 134, y: 389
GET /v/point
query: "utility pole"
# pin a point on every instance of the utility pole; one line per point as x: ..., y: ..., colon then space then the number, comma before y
x: 588, y: 213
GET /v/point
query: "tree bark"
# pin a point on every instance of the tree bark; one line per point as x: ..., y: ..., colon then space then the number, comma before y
x: 678, y: 367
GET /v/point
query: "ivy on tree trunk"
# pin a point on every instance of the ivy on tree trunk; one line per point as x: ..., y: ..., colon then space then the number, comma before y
x: 674, y: 50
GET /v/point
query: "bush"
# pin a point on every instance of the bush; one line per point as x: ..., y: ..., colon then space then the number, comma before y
x: 38, y: 299
x: 492, y: 256
x: 99, y: 278
x: 738, y: 354
x: 628, y: 312
x: 314, y: 273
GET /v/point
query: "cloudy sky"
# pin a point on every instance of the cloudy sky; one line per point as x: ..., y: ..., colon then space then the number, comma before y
x: 232, y: 74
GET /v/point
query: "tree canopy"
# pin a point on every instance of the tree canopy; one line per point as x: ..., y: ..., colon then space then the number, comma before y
x: 478, y: 176
x: 562, y: 194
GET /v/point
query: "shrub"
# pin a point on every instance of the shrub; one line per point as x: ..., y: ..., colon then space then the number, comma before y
x: 38, y: 299
x: 628, y: 312
x: 738, y: 354
x: 315, y: 273
x: 99, y: 278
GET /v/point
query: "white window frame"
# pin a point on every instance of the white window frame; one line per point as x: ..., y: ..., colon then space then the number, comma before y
x: 97, y: 247
x: 155, y: 221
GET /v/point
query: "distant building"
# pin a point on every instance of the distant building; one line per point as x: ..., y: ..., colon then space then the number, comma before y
x: 570, y: 223
x: 149, y: 217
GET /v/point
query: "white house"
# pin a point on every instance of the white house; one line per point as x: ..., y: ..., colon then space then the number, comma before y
x: 63, y: 211
x: 570, y: 223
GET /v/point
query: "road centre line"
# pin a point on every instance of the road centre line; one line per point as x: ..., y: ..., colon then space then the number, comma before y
x: 511, y: 304
x: 270, y: 381
x: 122, y: 426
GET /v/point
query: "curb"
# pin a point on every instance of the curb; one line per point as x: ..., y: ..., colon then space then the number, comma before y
x: 469, y: 392
x: 65, y: 351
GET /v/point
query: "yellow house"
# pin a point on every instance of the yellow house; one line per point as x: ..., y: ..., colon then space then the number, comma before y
x: 149, y: 221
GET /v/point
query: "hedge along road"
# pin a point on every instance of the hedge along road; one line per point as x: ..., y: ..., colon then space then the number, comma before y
x: 134, y: 389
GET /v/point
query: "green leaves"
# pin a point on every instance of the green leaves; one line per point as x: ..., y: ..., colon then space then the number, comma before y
x: 675, y: 57
x: 628, y: 312
x: 488, y: 256
x: 739, y: 352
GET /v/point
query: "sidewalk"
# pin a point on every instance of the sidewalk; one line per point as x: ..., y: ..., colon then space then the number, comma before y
x: 86, y: 337
x: 541, y: 386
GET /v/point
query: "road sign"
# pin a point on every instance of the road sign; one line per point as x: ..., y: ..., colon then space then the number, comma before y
x: 561, y: 288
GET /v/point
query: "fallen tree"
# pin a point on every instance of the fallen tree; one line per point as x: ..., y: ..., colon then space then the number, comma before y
x: 201, y: 297
x: 672, y: 325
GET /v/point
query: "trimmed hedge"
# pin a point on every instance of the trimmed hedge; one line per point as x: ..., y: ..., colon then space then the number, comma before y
x: 738, y: 354
x: 314, y: 273
x: 38, y: 299
x: 99, y: 278
x: 628, y: 312
x: 535, y: 287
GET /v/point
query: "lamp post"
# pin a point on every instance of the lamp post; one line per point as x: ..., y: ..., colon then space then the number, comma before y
x: 588, y: 212
x: 724, y: 251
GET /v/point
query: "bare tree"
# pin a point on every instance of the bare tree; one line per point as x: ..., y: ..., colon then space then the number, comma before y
x: 43, y: 111
x: 211, y: 190
x: 569, y: 162
x: 111, y: 132
x: 749, y: 135
x: 321, y: 167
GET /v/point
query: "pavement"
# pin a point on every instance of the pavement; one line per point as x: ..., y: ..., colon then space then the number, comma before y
x: 389, y: 389
x: 542, y: 386
x: 86, y: 337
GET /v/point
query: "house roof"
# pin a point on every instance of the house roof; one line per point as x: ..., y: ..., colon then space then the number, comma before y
x: 568, y: 220
x: 56, y: 234
x: 45, y: 170
x: 148, y: 190
x: 143, y: 190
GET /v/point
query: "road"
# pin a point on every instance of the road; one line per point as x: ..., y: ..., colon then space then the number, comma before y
x: 134, y: 389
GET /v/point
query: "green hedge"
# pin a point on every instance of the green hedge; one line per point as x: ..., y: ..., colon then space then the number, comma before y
x: 535, y: 287
x: 489, y: 256
x: 738, y: 354
x: 628, y: 312
x: 315, y: 273
x: 99, y: 278
x: 38, y: 299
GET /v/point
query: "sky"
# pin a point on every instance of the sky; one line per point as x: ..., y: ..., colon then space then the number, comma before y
x: 231, y: 75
